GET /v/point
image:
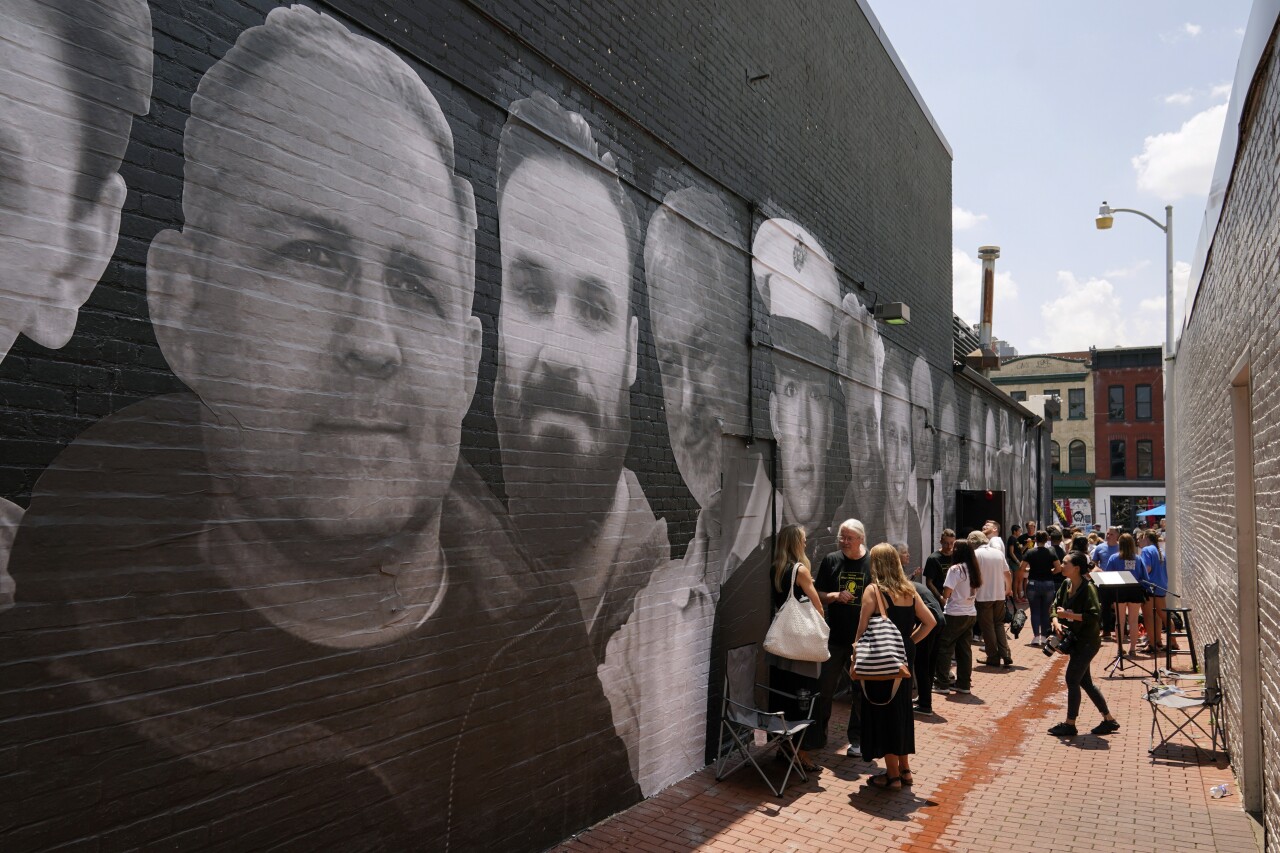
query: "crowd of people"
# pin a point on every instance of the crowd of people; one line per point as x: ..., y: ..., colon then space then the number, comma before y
x: 968, y: 592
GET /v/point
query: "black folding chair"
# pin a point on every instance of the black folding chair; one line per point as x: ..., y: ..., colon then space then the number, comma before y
x: 740, y: 719
x: 1181, y: 707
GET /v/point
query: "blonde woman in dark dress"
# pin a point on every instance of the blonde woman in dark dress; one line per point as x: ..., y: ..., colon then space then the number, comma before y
x: 888, y: 726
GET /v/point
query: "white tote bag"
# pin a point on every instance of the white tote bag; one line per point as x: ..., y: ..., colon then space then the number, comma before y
x: 798, y: 631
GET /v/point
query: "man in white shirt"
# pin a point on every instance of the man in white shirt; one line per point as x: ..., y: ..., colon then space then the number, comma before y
x: 996, y: 587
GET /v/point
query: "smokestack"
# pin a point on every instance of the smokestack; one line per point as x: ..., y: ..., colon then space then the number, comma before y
x: 984, y: 358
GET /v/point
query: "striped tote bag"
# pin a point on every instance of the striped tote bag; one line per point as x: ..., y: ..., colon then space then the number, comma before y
x: 879, y: 654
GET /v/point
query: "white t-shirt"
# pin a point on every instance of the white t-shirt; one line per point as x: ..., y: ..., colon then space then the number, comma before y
x: 992, y: 564
x: 997, y: 543
x: 962, y: 600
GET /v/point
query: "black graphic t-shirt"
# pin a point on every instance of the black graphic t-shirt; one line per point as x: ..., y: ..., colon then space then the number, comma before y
x: 836, y: 573
x: 1040, y: 560
x: 935, y: 568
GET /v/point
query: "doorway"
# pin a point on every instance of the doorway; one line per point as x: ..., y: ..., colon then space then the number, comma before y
x: 1251, y: 750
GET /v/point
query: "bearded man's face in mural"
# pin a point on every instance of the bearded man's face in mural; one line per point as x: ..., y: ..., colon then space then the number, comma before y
x: 567, y: 338
x: 319, y: 298
x: 896, y: 430
x: 64, y: 123
x: 800, y: 408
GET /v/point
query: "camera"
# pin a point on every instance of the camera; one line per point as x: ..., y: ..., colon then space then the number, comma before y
x: 1063, y: 644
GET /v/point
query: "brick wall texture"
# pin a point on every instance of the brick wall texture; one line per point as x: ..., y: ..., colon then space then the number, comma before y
x: 1233, y: 327
x: 399, y: 401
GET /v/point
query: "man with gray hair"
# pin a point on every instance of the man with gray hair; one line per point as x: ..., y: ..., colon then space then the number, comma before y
x: 289, y: 602
x: 72, y: 77
x: 840, y: 579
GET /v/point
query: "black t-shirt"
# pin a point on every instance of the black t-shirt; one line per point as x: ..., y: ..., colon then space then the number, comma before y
x: 935, y: 568
x: 1040, y: 560
x: 835, y: 573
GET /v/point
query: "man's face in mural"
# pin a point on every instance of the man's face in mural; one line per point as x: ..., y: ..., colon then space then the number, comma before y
x: 976, y: 451
x: 57, y: 230
x: 696, y: 374
x: 922, y: 441
x: 896, y: 430
x: 800, y: 408
x: 858, y: 344
x: 567, y: 338
x: 949, y: 442
x: 319, y: 299
x: 992, y: 452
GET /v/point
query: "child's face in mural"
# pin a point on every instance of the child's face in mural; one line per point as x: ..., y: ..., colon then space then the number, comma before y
x: 896, y: 430
x: 53, y: 246
x: 566, y: 335
x: 319, y: 301
x: 695, y: 372
x: 801, y: 413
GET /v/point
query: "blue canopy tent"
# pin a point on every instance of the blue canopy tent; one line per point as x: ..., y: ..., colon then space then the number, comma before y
x: 1159, y: 510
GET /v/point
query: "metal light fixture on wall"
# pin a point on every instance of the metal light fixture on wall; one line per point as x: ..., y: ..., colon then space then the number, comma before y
x: 894, y: 313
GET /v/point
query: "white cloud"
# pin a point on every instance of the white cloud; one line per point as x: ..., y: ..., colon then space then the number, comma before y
x: 1180, y: 163
x: 1125, y: 272
x: 1192, y: 30
x: 966, y: 286
x: 962, y: 219
x: 1179, y: 98
x: 1222, y: 90
x: 1086, y: 313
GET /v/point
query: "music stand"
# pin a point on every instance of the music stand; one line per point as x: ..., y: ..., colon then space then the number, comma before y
x: 1120, y: 583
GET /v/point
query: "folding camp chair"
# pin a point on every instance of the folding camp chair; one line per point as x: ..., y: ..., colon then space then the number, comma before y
x: 740, y: 719
x: 1167, y: 700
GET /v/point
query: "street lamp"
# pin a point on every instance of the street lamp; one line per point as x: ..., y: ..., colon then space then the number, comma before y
x: 1106, y: 216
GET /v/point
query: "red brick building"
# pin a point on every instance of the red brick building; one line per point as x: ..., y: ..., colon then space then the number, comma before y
x: 1128, y: 390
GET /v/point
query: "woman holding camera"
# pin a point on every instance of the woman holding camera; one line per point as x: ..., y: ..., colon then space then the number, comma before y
x: 1077, y: 624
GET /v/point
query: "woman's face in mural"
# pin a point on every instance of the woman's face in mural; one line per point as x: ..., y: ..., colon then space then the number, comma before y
x: 319, y: 300
x: 801, y: 412
x: 896, y: 429
x: 922, y: 409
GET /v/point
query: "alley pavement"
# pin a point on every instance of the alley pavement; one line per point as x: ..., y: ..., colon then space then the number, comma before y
x: 987, y: 778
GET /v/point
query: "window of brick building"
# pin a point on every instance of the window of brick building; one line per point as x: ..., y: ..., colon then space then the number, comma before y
x: 1055, y: 456
x: 1142, y: 402
x: 1075, y: 404
x: 1076, y: 456
x: 1115, y: 403
x: 1146, y: 465
x: 1020, y: 396
x: 1054, y: 392
x: 1117, y: 459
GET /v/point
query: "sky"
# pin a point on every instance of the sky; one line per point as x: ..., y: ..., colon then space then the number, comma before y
x: 1051, y: 108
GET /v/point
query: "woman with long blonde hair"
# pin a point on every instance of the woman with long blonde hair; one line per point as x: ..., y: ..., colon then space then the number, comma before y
x: 793, y: 677
x: 888, y: 727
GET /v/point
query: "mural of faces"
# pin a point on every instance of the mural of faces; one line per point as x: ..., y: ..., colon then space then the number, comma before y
x: 922, y: 409
x: 896, y: 428
x: 801, y: 412
x: 975, y: 447
x: 862, y: 358
x: 318, y: 302
x: 567, y: 336
x: 72, y: 76
x: 948, y: 449
x: 691, y: 270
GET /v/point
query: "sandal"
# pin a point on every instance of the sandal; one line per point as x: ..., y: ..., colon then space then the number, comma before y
x: 885, y: 781
x: 907, y: 778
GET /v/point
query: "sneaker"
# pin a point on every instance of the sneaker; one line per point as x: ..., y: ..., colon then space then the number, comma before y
x: 941, y: 688
x: 1063, y: 730
x: 924, y: 712
x: 854, y: 750
x: 1106, y: 727
x: 1037, y: 641
x: 960, y: 689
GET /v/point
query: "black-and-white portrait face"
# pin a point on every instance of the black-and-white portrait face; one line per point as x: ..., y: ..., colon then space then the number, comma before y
x: 691, y: 271
x: 862, y: 360
x: 922, y: 411
x: 896, y: 428
x: 992, y: 451
x: 72, y: 76
x: 948, y: 438
x: 318, y: 299
x: 801, y: 410
x: 976, y: 445
x: 567, y: 338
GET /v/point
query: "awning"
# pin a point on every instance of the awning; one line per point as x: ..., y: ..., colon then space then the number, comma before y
x: 1155, y: 511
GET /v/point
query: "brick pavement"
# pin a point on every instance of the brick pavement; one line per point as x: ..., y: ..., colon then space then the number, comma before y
x: 988, y: 778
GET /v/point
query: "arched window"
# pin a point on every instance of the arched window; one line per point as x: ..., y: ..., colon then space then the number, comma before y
x: 1075, y: 456
x: 1055, y: 456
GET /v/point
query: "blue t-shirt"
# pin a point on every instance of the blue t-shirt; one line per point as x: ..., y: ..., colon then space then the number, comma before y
x: 1101, y: 554
x: 1119, y: 564
x: 1157, y: 573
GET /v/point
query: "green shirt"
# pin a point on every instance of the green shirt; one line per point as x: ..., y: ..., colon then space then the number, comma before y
x: 1088, y: 632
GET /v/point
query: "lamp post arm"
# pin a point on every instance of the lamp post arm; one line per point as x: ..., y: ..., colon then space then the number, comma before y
x: 1145, y: 216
